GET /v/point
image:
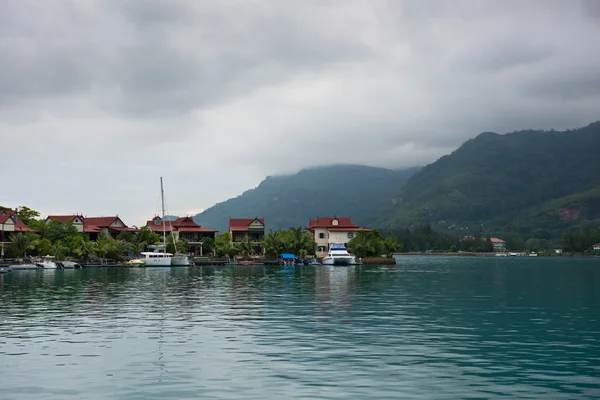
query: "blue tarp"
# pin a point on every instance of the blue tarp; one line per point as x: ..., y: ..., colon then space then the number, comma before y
x: 287, y: 256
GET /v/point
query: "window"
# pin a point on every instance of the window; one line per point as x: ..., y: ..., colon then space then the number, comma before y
x: 350, y: 235
x: 321, y: 235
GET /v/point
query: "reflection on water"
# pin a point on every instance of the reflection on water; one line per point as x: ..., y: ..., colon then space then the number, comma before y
x: 427, y: 328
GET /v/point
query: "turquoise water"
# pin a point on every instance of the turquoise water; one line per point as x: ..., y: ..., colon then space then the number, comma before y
x: 427, y: 328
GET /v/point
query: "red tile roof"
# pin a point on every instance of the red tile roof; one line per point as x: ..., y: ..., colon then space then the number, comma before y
x: 326, y: 222
x: 19, y: 225
x: 241, y: 224
x: 95, y: 224
x: 64, y: 218
x: 182, y: 224
x: 597, y: 244
x: 496, y: 240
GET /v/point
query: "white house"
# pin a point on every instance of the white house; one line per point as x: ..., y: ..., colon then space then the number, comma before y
x: 327, y: 230
x: 499, y: 244
x: 596, y: 247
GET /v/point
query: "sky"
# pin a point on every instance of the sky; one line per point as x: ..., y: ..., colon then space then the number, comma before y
x: 100, y: 98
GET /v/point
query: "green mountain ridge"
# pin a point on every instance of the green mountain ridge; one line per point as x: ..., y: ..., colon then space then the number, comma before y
x: 515, y: 182
x: 361, y: 192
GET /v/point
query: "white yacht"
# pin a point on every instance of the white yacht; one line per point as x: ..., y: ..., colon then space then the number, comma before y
x: 155, y: 259
x: 338, y: 255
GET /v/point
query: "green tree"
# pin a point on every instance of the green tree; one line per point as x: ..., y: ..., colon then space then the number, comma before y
x: 366, y: 244
x: 391, y: 245
x: 273, y: 244
x: 27, y: 215
x: 246, y: 247
x: 60, y: 250
x: 43, y: 247
x: 224, y: 246
x: 21, y: 242
x: 118, y: 248
x: 56, y: 230
x: 208, y: 245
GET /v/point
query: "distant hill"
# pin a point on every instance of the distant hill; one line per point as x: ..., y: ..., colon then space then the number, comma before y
x: 524, y: 181
x: 360, y: 192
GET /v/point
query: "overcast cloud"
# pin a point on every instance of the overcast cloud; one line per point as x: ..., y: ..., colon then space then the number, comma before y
x: 98, y: 98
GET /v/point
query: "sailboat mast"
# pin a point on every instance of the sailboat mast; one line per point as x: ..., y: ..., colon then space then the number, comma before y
x: 162, y: 199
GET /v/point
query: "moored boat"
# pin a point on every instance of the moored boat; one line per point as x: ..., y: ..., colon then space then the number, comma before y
x: 338, y: 255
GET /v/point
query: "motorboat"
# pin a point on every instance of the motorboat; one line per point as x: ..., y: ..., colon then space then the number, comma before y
x: 338, y: 255
x: 47, y: 262
x: 136, y: 262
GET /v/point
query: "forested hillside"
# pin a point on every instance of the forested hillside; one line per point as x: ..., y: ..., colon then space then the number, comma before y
x: 524, y: 181
x: 360, y: 192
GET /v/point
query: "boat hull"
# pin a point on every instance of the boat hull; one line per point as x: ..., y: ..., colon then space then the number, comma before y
x: 180, y: 261
x: 339, y: 261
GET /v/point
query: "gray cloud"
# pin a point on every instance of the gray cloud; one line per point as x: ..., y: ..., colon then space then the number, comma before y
x: 100, y: 98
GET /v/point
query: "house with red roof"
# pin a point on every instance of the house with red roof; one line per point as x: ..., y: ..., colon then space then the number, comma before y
x: 499, y: 244
x: 112, y: 226
x: 596, y: 247
x: 10, y: 223
x: 252, y: 228
x: 186, y: 229
x: 75, y: 219
x: 328, y: 230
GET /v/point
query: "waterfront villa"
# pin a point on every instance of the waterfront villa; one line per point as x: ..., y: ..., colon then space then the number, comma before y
x: 327, y: 230
x: 252, y: 228
x: 76, y: 220
x: 184, y: 228
x: 112, y: 226
x: 596, y: 247
x: 499, y: 244
x: 9, y: 224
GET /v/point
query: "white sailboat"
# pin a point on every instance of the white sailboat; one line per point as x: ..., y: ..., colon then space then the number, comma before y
x: 158, y: 258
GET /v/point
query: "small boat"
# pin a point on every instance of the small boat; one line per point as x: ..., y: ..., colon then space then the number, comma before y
x: 24, y: 267
x: 47, y: 263
x: 338, y: 255
x: 136, y: 262
x: 532, y: 255
x: 70, y: 265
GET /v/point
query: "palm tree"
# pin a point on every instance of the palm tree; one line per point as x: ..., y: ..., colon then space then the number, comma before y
x: 23, y: 241
x: 59, y: 250
x: 246, y: 247
x: 273, y: 244
x: 118, y: 247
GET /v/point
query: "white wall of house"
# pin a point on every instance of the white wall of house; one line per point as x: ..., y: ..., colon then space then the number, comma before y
x: 340, y: 237
x: 321, y: 236
x: 78, y: 224
x: 8, y: 226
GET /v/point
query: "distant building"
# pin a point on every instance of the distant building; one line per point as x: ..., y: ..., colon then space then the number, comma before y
x: 499, y: 244
x: 186, y: 229
x: 111, y: 226
x: 10, y: 223
x: 596, y: 247
x: 328, y: 230
x: 76, y: 220
x: 252, y: 228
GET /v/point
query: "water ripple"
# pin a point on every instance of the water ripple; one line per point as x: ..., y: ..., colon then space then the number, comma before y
x: 427, y: 328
